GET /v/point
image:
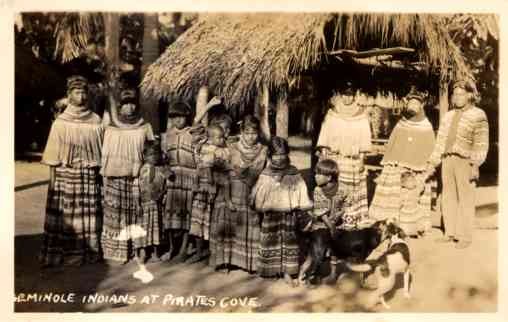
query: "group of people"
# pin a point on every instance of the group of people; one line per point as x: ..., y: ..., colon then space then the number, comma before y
x: 119, y: 192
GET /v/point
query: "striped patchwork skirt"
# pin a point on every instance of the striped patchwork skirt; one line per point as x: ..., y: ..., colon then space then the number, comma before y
x: 393, y: 200
x: 246, y: 228
x: 73, y: 219
x: 121, y: 205
x: 353, y: 183
x: 222, y: 232
x: 178, y: 199
x: 201, y: 213
x: 279, y: 251
x: 149, y: 220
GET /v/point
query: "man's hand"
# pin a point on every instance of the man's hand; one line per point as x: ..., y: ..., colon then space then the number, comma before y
x: 475, y: 173
x: 429, y: 171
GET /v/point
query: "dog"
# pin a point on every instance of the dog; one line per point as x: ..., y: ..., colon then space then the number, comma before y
x: 394, y: 261
x: 353, y: 246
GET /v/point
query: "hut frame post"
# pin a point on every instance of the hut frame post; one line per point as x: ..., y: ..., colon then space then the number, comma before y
x: 443, y: 100
x: 201, y: 102
x: 443, y: 108
x: 261, y: 112
x: 150, y: 105
x: 282, y: 117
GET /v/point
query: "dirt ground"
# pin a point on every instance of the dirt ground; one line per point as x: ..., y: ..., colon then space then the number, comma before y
x: 444, y: 279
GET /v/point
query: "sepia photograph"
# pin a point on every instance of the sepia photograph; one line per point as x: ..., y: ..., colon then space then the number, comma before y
x: 256, y: 162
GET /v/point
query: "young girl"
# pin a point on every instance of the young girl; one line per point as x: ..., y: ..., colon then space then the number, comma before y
x: 152, y: 185
x: 122, y: 159
x: 235, y: 234
x: 73, y: 219
x: 179, y: 147
x: 279, y: 194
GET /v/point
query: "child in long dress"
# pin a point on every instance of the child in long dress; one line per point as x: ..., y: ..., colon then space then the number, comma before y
x: 279, y: 194
x: 180, y: 153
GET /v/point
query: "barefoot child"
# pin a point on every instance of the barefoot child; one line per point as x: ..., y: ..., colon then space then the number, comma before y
x: 152, y: 184
x: 179, y: 150
x: 279, y: 194
x: 327, y: 212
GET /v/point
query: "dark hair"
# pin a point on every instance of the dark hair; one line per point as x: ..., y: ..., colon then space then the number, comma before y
x: 152, y: 148
x: 221, y: 118
x: 250, y: 121
x: 278, y: 145
x: 77, y: 82
x: 469, y: 86
x: 215, y: 127
x: 179, y: 108
x: 328, y: 167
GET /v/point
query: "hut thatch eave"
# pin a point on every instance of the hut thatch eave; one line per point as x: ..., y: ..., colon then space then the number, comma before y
x: 235, y: 55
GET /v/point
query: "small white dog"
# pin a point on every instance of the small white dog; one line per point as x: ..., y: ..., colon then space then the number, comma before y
x: 395, y: 260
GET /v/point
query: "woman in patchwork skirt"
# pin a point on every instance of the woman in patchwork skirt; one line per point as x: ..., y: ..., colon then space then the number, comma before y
x: 345, y: 137
x: 401, y: 193
x: 73, y: 219
x: 122, y: 159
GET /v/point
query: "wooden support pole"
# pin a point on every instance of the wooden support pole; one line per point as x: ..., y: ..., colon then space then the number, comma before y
x: 282, y: 117
x: 149, y: 105
x: 201, y: 101
x: 261, y: 112
x: 443, y: 100
x: 112, y: 53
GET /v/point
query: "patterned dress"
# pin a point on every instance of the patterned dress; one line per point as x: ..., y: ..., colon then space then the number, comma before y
x: 398, y: 186
x: 180, y: 152
x: 152, y: 185
x: 347, y: 138
x: 280, y: 202
x: 332, y: 206
x: 122, y: 160
x: 73, y: 219
x: 217, y: 160
x: 234, y: 236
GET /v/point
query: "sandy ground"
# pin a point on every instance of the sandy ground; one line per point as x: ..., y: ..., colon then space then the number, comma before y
x: 444, y: 279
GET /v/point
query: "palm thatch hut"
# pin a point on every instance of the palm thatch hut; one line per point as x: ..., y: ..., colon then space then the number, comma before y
x: 258, y: 59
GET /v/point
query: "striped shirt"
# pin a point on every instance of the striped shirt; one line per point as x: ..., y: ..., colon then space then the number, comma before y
x: 179, y: 148
x: 333, y: 207
x: 471, y: 141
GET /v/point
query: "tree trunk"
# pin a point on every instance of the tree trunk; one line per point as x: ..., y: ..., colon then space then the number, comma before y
x: 261, y: 112
x: 282, y: 118
x: 149, y: 105
x: 112, y: 52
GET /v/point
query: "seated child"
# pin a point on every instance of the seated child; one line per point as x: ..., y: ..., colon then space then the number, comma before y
x: 327, y: 212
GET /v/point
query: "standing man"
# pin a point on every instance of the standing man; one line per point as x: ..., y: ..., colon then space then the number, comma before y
x: 462, y: 145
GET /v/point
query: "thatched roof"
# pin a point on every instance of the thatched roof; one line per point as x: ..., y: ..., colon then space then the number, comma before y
x: 235, y: 54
